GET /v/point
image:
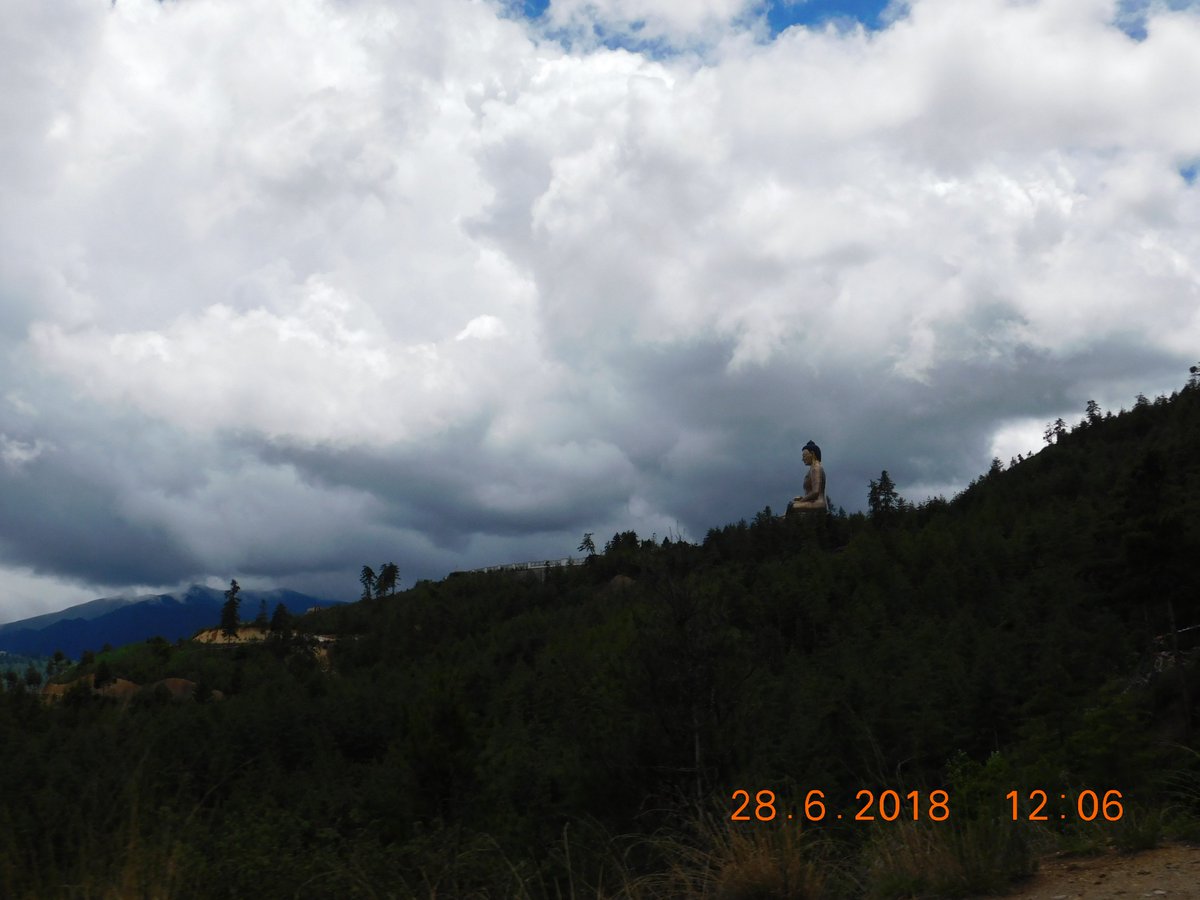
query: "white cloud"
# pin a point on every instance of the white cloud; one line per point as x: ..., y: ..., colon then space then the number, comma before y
x: 482, y: 328
x: 319, y: 372
x: 424, y: 254
x: 16, y: 454
x: 1023, y: 436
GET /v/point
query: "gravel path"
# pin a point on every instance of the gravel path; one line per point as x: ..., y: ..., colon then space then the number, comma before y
x: 1172, y: 872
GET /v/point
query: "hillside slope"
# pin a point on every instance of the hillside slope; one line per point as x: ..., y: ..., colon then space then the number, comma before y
x: 498, y: 735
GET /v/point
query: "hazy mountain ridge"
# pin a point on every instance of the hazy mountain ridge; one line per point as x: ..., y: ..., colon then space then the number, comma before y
x: 89, y: 610
x: 124, y: 620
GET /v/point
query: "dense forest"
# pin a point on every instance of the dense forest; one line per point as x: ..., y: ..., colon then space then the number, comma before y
x: 912, y: 701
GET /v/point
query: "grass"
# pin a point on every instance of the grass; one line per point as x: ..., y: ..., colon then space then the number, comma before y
x: 1181, y: 818
x: 725, y: 860
x: 704, y: 858
x: 950, y: 859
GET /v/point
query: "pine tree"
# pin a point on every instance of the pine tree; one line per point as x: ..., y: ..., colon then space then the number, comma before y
x: 104, y: 674
x: 229, y: 612
x: 33, y: 677
x: 882, y: 499
x: 281, y: 619
x: 367, y: 579
x: 389, y: 574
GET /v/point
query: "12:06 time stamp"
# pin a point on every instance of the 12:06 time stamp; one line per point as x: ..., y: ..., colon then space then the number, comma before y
x: 1085, y: 806
x: 889, y: 806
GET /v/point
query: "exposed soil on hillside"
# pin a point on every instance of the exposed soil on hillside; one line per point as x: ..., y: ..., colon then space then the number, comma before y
x: 1172, y: 872
x: 122, y: 690
x: 246, y: 634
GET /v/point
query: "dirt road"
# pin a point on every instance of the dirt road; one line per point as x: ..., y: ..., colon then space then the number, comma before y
x: 1172, y: 872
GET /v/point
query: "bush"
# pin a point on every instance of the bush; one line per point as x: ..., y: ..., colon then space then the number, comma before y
x: 946, y: 859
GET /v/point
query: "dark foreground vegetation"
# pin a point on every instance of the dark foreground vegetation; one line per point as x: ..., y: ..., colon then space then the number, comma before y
x: 595, y: 734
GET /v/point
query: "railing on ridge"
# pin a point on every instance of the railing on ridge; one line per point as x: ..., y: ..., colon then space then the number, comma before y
x: 533, y: 564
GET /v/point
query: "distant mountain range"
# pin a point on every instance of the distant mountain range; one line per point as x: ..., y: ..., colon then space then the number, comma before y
x: 125, y: 620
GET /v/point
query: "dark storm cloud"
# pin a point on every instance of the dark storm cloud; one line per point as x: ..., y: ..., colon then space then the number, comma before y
x: 68, y: 522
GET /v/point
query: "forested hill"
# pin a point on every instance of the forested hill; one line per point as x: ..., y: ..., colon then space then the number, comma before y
x: 500, y: 735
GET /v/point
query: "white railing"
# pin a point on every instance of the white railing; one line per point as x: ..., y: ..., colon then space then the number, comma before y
x: 534, y: 564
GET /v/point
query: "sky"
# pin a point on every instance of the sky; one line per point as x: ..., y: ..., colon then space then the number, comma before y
x: 294, y: 286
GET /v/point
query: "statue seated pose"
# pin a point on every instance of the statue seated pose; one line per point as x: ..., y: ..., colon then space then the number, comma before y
x: 814, y: 482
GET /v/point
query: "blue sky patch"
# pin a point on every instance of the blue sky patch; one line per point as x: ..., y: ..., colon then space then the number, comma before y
x: 1131, y: 14
x: 781, y: 14
x: 1189, y: 171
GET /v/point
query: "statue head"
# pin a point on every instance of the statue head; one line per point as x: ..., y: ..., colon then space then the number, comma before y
x: 812, y: 448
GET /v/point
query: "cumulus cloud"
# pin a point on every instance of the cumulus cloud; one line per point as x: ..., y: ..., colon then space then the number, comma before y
x: 296, y: 285
x: 482, y: 328
x: 223, y: 369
